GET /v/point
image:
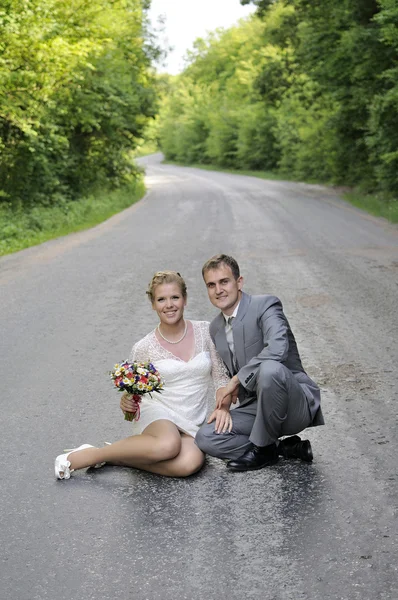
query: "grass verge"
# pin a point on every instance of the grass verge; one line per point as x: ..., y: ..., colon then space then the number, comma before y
x: 24, y: 228
x: 379, y: 205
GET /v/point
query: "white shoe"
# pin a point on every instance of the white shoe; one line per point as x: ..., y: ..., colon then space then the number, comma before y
x: 62, y: 464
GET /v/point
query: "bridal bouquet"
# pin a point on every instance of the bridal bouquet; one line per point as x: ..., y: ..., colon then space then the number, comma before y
x: 136, y: 379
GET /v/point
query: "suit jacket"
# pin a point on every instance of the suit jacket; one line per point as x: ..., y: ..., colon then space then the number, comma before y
x: 261, y: 332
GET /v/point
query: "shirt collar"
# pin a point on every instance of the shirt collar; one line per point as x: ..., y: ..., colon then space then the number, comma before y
x: 226, y: 317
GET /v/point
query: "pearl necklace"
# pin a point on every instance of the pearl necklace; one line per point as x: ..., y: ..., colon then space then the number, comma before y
x: 178, y: 341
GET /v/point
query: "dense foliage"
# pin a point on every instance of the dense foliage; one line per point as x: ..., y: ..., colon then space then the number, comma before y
x: 307, y: 87
x: 76, y: 92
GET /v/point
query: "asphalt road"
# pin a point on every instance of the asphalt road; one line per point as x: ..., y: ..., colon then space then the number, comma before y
x: 72, y: 307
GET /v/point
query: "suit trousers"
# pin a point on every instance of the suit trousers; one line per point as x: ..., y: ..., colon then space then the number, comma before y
x: 279, y: 408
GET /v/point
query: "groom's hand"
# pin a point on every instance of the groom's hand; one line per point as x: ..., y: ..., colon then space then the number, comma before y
x: 223, y: 420
x: 223, y: 401
x: 229, y: 393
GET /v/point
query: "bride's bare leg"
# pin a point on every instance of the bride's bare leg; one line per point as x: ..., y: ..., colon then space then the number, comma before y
x: 189, y: 461
x: 160, y: 441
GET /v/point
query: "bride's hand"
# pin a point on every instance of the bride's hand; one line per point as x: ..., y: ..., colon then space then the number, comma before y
x: 223, y: 420
x: 126, y: 403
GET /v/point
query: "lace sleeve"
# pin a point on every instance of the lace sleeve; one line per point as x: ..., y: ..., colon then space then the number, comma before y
x: 140, y: 352
x: 133, y: 354
x: 148, y: 349
x: 219, y: 372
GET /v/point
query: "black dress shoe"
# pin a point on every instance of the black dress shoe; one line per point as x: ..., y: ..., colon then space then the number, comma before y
x: 294, y: 447
x: 256, y: 457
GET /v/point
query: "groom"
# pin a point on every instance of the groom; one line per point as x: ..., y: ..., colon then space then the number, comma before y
x: 276, y: 396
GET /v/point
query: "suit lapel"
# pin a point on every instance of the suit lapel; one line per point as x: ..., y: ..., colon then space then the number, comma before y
x: 239, y: 342
x: 222, y: 344
x: 237, y: 330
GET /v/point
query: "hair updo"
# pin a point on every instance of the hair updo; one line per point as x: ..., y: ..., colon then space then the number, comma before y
x: 166, y: 277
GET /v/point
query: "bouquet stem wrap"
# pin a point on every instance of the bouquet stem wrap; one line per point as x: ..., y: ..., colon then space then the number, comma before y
x: 135, y: 415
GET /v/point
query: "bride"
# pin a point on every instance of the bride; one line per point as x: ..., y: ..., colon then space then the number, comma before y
x: 163, y: 437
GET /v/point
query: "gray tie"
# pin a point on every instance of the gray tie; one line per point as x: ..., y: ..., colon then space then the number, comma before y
x: 230, y: 340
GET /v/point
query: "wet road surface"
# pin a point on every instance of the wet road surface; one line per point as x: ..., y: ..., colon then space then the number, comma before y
x: 72, y: 307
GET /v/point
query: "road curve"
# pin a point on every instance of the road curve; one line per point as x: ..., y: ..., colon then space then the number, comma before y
x: 73, y: 306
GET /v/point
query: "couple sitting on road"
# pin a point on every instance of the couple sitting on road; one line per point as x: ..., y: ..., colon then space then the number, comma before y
x: 249, y: 353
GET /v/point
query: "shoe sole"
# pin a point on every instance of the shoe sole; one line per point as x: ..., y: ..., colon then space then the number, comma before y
x: 239, y: 470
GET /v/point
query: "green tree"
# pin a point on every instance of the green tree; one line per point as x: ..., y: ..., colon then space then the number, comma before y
x: 309, y: 87
x: 76, y: 93
x: 382, y: 138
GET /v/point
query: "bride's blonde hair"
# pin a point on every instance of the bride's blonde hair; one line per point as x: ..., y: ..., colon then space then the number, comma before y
x: 166, y: 277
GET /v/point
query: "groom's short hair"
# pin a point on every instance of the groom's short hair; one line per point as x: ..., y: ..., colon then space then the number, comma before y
x: 215, y: 261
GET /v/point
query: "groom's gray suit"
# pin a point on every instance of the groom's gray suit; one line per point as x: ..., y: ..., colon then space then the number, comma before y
x: 276, y: 396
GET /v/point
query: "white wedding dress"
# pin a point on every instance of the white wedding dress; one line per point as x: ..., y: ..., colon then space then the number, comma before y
x: 187, y: 397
